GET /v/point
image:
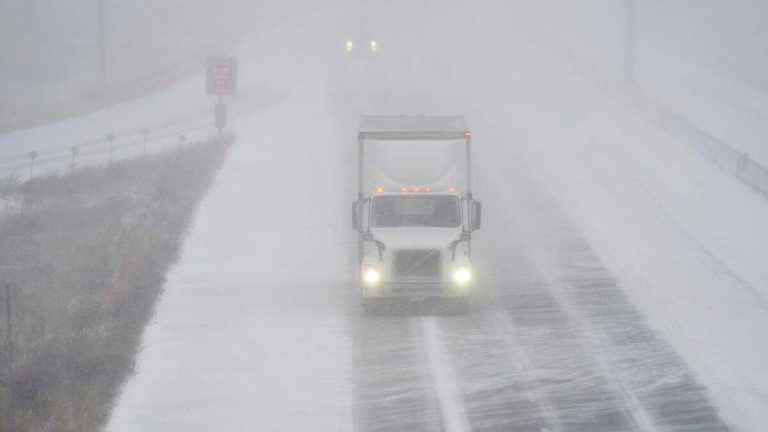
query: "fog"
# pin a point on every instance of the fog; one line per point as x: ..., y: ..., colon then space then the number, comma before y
x: 51, y: 50
x: 616, y: 282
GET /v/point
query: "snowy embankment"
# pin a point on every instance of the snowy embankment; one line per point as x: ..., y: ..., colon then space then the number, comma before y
x: 731, y: 111
x: 721, y: 118
x: 181, y: 110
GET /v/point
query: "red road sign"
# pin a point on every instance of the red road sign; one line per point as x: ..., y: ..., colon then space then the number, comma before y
x: 221, y: 75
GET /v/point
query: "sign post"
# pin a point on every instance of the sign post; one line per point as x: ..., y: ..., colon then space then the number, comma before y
x: 9, y: 423
x: 221, y: 80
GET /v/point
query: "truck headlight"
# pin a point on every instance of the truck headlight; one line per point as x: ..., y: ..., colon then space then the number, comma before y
x: 462, y: 275
x: 371, y: 275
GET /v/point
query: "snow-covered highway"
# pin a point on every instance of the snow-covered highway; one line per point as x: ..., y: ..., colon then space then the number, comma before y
x: 608, y: 300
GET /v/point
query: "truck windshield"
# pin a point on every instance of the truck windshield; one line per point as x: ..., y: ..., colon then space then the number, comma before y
x: 415, y: 211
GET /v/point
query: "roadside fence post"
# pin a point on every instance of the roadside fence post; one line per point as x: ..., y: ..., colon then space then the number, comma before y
x: 9, y: 422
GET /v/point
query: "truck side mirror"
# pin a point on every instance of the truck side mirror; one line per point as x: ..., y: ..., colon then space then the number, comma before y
x: 477, y: 215
x: 356, y: 215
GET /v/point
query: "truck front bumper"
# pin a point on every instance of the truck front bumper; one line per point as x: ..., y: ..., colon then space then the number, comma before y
x: 416, y: 290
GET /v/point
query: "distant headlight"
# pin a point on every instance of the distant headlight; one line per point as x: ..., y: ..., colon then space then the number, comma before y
x: 462, y: 275
x: 374, y: 46
x: 371, y: 275
x: 349, y: 46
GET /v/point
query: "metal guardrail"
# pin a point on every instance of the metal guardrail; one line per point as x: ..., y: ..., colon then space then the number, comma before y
x: 739, y: 164
x: 85, y: 150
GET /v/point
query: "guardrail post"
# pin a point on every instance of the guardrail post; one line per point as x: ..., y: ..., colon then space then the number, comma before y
x: 145, y: 131
x: 75, y: 151
x: 111, y: 139
x: 32, y: 156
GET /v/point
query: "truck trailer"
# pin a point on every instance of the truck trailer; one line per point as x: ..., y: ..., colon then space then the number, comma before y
x: 414, y: 212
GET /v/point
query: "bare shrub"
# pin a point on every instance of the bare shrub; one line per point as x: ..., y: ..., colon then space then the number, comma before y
x: 87, y: 256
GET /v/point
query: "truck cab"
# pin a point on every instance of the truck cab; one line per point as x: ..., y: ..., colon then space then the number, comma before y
x: 415, y: 213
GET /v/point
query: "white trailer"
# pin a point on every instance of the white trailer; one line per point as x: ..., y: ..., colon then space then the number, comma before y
x: 414, y: 213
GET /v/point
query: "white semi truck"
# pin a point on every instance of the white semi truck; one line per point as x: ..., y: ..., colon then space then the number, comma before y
x: 414, y: 213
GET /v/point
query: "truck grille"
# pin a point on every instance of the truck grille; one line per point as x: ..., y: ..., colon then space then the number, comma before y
x: 417, y: 265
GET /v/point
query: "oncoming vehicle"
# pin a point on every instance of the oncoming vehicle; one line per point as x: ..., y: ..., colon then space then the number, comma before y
x: 415, y: 213
x: 360, y: 38
x: 372, y: 45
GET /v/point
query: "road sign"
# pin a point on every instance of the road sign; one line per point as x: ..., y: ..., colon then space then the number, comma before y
x: 221, y: 76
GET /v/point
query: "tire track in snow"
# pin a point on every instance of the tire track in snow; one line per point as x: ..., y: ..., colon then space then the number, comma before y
x: 449, y: 398
x: 393, y: 385
x: 499, y: 390
x: 658, y: 390
x: 561, y: 367
x: 657, y: 384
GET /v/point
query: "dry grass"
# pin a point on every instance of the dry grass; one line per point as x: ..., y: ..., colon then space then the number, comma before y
x: 87, y: 255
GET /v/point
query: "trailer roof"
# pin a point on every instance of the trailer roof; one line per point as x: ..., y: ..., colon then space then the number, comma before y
x: 396, y: 127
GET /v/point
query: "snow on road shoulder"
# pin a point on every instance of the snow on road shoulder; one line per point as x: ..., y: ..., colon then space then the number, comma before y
x: 252, y: 332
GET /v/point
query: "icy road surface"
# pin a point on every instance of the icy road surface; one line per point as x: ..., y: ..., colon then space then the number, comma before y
x: 258, y: 328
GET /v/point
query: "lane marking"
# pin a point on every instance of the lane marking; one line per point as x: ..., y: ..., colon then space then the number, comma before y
x: 598, y: 340
x: 449, y: 398
x: 595, y: 337
x: 529, y: 380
